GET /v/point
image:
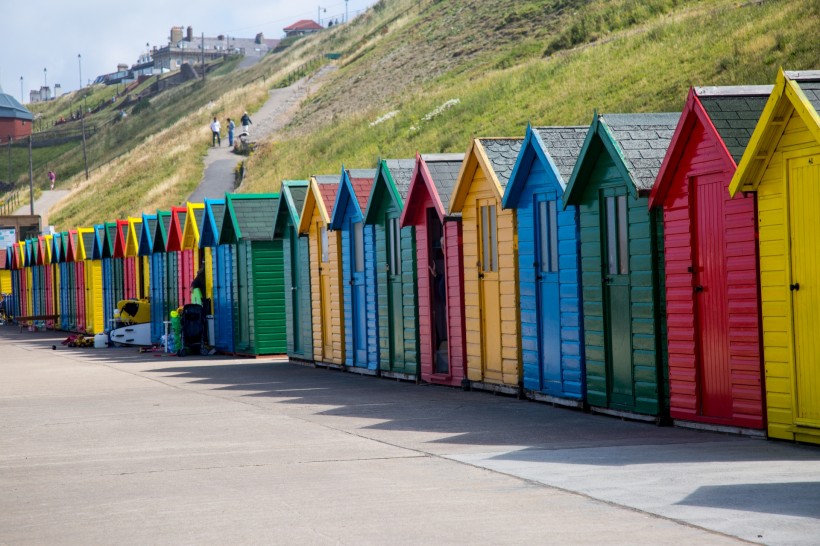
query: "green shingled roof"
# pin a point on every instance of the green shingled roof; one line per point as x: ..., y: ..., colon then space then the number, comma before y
x: 249, y: 217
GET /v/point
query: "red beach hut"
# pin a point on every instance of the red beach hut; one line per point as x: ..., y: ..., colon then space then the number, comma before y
x: 185, y: 259
x: 129, y: 272
x: 439, y: 263
x: 74, y: 259
x: 711, y: 261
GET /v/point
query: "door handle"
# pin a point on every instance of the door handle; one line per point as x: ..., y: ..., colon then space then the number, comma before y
x: 794, y: 287
x: 606, y: 280
x: 481, y: 275
x: 293, y: 289
x: 698, y: 288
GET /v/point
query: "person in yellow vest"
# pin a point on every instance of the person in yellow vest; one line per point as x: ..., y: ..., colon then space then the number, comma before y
x: 198, y: 287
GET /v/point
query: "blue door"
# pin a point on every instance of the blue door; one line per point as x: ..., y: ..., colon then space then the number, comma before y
x: 547, y: 288
x: 357, y: 289
x: 223, y: 294
x: 157, y: 296
x: 108, y: 294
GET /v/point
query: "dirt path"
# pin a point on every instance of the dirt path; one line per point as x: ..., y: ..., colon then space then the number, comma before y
x: 277, y: 111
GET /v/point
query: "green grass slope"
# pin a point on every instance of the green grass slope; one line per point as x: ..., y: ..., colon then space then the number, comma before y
x: 426, y: 76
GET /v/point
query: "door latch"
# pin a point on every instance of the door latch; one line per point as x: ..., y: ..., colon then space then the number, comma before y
x: 794, y: 287
x: 699, y: 288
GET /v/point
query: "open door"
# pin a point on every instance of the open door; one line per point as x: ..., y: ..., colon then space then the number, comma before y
x: 437, y: 271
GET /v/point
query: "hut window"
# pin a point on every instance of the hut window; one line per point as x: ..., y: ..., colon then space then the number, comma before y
x: 548, y: 236
x: 489, y: 238
x: 358, y: 246
x: 394, y: 246
x: 617, y: 241
x: 325, y: 250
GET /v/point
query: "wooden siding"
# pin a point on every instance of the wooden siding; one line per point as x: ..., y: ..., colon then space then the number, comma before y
x: 331, y: 308
x: 775, y: 276
x: 303, y: 292
x: 95, y: 321
x: 571, y: 385
x: 371, y: 330
x: 482, y: 188
x: 643, y: 316
x: 735, y: 231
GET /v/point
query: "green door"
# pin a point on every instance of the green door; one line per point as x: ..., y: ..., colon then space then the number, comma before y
x: 394, y: 291
x: 243, y: 332
x: 616, y: 291
x: 295, y: 283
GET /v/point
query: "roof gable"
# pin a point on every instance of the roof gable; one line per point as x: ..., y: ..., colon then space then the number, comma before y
x: 161, y: 233
x: 212, y: 222
x: 72, y: 247
x: 354, y: 190
x: 304, y: 24
x: 193, y: 219
x: 149, y: 227
x: 496, y: 157
x: 727, y: 114
x: 99, y: 241
x: 555, y: 148
x: 794, y: 93
x: 321, y: 193
x: 434, y: 175
x: 56, y: 248
x: 132, y: 243
x: 248, y: 217
x: 110, y: 239
x: 86, y: 239
x: 174, y: 241
x: 121, y: 237
x: 291, y: 200
x: 637, y: 144
x: 392, y: 181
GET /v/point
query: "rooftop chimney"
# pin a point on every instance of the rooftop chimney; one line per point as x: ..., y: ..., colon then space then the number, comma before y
x: 190, y: 34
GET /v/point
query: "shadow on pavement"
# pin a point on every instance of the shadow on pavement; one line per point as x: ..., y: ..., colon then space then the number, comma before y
x: 800, y: 499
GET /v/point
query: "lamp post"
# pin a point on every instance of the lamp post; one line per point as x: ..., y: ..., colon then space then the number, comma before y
x: 45, y: 80
x: 10, y: 140
x: 346, y: 11
x: 82, y: 117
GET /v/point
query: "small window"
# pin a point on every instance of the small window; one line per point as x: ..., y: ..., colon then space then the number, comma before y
x: 325, y: 248
x: 394, y: 245
x: 358, y: 246
x: 616, y: 215
x: 489, y: 238
x: 548, y: 236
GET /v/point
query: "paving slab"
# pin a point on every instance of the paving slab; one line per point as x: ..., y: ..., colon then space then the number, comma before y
x: 102, y: 446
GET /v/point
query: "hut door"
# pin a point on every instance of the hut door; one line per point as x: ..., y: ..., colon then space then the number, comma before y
x: 804, y: 196
x: 394, y: 290
x: 711, y: 295
x: 616, y: 298
x: 547, y: 304
x: 437, y: 272
x: 358, y: 292
x: 294, y: 289
x: 324, y: 290
x: 489, y: 292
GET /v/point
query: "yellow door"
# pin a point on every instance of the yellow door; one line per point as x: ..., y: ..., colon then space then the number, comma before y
x: 489, y: 292
x: 804, y: 197
x: 324, y: 288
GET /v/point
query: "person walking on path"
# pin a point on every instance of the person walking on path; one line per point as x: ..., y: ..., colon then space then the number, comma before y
x: 215, y: 138
x: 231, y: 127
x: 246, y: 123
x: 52, y: 178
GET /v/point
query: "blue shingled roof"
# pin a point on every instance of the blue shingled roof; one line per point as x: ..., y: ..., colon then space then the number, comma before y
x: 11, y: 109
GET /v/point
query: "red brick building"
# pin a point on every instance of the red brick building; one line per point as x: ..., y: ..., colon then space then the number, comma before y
x: 15, y: 120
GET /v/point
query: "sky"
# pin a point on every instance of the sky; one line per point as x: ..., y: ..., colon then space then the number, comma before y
x: 49, y: 34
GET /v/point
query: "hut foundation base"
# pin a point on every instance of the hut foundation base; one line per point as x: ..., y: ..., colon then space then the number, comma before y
x: 361, y: 371
x: 555, y: 400
x: 496, y: 388
x: 623, y: 414
x: 725, y: 429
x: 400, y: 376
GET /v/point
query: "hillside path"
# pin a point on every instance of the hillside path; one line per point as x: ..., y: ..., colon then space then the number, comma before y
x: 277, y: 111
x: 47, y: 200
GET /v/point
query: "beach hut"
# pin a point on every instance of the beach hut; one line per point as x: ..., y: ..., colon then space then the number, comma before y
x: 395, y: 247
x: 710, y: 245
x: 51, y: 280
x: 296, y: 268
x: 191, y: 254
x: 34, y: 267
x: 5, y: 273
x: 223, y: 268
x: 184, y: 261
x: 133, y: 260
x: 129, y: 281
x: 99, y: 253
x: 145, y: 250
x: 490, y: 268
x: 325, y: 270
x: 94, y: 317
x: 358, y: 270
x: 76, y: 260
x: 260, y: 291
x: 622, y: 263
x: 66, y: 278
x: 782, y: 165
x: 163, y: 293
x: 439, y: 268
x: 549, y: 267
x: 113, y: 289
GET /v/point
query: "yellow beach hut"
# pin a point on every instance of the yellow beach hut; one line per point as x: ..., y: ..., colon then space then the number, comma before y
x: 491, y: 313
x: 326, y: 270
x: 782, y: 164
x: 94, y: 319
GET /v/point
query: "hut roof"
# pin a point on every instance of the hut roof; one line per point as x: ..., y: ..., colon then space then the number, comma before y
x: 248, y: 217
x: 212, y: 222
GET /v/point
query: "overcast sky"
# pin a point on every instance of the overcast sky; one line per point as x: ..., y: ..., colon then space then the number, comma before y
x: 38, y: 34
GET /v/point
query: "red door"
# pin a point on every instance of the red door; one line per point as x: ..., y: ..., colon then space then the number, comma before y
x: 711, y: 296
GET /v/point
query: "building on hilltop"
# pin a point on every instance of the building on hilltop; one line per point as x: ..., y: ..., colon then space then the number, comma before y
x: 186, y: 48
x: 303, y: 27
x: 15, y: 120
x: 44, y: 93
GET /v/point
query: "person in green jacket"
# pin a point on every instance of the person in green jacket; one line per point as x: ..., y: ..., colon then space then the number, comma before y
x: 198, y: 287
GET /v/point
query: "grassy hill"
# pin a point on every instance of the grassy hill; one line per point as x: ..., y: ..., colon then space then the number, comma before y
x: 426, y: 75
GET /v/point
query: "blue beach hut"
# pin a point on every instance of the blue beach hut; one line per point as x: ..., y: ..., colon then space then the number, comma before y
x: 160, y: 306
x: 549, y: 269
x: 358, y: 270
x: 222, y: 264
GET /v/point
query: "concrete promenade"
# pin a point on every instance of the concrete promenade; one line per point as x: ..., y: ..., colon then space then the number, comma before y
x: 113, y: 447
